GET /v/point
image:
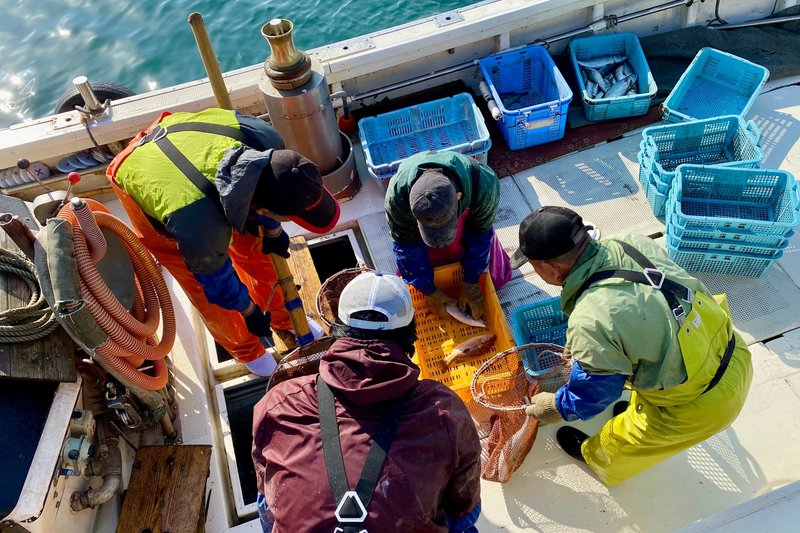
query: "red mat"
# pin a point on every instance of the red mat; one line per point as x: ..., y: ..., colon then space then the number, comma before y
x: 506, y: 162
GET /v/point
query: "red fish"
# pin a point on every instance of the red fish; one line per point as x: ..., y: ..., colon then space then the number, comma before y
x: 472, y: 347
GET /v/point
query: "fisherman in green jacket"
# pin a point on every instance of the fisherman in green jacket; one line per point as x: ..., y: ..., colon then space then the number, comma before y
x: 440, y: 208
x: 636, y: 320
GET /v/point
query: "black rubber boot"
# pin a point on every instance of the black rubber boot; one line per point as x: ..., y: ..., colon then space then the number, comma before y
x: 620, y: 407
x: 570, y: 440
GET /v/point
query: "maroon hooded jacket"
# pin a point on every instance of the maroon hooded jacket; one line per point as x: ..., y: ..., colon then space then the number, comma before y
x: 432, y: 470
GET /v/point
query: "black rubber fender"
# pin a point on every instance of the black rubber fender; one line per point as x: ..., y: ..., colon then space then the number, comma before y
x: 104, y: 90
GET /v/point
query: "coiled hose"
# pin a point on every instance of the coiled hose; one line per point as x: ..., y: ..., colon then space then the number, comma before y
x: 35, y: 319
x: 132, y: 336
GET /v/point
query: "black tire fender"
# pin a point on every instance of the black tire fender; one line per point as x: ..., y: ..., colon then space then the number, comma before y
x: 104, y: 90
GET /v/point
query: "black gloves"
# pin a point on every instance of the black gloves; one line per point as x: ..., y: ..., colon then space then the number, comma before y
x: 258, y: 321
x: 279, y: 244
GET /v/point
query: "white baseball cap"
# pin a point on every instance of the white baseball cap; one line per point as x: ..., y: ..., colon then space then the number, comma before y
x: 376, y: 291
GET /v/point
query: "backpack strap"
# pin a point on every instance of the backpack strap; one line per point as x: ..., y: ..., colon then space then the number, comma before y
x: 192, y: 173
x: 351, y: 508
x: 650, y: 275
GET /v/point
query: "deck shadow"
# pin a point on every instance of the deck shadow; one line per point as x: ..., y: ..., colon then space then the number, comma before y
x: 602, y: 185
x: 562, y: 494
x: 780, y: 131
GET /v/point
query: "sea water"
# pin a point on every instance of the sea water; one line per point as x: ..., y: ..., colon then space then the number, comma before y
x: 148, y: 44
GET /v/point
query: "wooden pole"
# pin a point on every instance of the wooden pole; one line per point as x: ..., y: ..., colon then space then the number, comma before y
x: 19, y: 233
x: 210, y: 61
x: 290, y: 295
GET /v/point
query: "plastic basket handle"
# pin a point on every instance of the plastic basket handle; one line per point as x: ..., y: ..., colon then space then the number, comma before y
x: 653, y: 148
x: 752, y: 128
x: 796, y: 194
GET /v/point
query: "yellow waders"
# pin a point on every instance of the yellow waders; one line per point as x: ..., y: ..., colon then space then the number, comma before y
x: 659, y: 424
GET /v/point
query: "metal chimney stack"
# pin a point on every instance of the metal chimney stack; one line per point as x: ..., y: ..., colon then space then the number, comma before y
x: 296, y: 94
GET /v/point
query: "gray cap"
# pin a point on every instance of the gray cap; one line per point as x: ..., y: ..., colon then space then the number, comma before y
x: 376, y: 291
x: 434, y: 203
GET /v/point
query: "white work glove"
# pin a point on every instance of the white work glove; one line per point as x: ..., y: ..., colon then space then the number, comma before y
x: 543, y: 408
x: 263, y: 366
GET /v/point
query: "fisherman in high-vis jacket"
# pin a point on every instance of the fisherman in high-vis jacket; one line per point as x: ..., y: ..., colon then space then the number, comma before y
x: 440, y: 208
x: 636, y: 319
x: 207, y: 192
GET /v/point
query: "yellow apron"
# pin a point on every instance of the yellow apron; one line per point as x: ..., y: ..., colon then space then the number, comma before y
x: 659, y: 424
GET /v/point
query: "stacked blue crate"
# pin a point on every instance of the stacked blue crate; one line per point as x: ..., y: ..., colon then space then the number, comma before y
x: 732, y: 221
x: 719, y: 141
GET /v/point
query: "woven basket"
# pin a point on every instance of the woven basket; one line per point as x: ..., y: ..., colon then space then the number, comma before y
x: 329, y: 292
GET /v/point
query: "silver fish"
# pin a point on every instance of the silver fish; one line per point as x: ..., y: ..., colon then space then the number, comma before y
x: 464, y: 318
x: 591, y: 89
x: 619, y: 72
x: 595, y: 77
x: 600, y: 62
x: 621, y: 87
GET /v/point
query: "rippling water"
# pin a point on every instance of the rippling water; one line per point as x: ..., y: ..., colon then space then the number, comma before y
x: 148, y: 44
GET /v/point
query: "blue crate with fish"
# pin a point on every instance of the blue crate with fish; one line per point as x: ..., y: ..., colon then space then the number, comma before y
x: 453, y: 123
x: 613, y: 75
x: 539, y: 322
x: 530, y: 92
x: 716, y: 83
x: 758, y: 201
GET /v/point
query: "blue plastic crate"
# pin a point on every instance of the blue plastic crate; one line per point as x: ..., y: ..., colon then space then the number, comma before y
x: 759, y: 201
x: 453, y: 123
x: 729, y: 264
x: 716, y: 83
x: 684, y: 244
x: 531, y: 93
x: 544, y: 363
x: 651, y: 188
x: 731, y: 236
x: 725, y: 141
x: 621, y: 44
x: 540, y: 322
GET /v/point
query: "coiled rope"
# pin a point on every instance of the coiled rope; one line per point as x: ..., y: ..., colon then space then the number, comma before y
x: 32, y: 321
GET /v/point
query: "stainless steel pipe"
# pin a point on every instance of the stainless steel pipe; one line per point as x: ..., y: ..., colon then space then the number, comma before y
x: 90, y: 100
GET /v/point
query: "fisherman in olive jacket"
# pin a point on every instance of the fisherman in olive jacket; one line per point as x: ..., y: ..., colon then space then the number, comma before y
x: 636, y: 320
x: 441, y: 208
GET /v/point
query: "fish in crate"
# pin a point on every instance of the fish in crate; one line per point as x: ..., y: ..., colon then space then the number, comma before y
x: 504, y: 385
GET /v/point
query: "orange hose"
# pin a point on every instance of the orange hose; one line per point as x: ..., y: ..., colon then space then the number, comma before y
x: 131, y: 335
x: 94, y: 236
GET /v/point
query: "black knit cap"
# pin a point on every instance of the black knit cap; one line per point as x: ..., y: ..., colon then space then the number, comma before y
x: 547, y: 233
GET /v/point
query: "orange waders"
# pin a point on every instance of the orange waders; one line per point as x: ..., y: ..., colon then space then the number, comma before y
x: 254, y: 269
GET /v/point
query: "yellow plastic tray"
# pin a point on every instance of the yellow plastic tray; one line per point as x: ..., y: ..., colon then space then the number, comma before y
x: 436, y: 337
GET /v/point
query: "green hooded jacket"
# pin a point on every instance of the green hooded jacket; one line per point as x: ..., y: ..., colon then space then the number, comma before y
x: 483, y: 203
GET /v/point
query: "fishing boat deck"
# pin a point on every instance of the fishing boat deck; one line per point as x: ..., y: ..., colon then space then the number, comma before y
x: 552, y: 492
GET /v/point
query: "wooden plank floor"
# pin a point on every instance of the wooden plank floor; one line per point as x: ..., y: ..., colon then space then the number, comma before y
x: 305, y: 275
x: 167, y: 491
x: 50, y: 358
